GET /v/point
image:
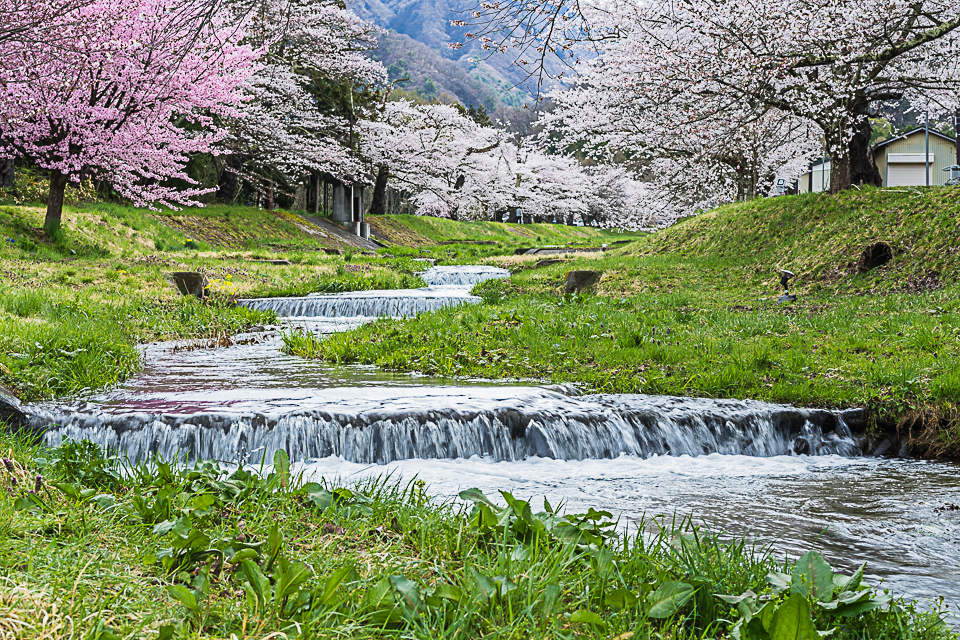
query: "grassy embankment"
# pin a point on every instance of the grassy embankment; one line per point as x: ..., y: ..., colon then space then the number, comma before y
x: 167, y: 552
x: 692, y: 311
x: 71, y: 312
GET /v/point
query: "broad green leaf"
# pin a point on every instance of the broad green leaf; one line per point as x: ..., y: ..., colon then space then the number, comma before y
x: 792, y: 620
x: 409, y: 592
x: 274, y: 546
x: 582, y: 616
x: 669, y: 598
x: 621, y: 599
x: 476, y: 496
x: 318, y: 495
x: 333, y: 583
x: 185, y: 597
x: 737, y: 599
x: 67, y: 489
x: 487, y: 588
x: 243, y: 554
x: 853, y: 582
x: 281, y: 466
x: 862, y: 606
x: 288, y: 576
x: 519, y: 554
x: 166, y: 632
x: 449, y: 592
x: 812, y: 576
x: 779, y: 581
x: 256, y: 585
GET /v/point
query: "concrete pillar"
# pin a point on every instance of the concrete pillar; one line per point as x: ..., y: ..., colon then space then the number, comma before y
x: 341, y: 204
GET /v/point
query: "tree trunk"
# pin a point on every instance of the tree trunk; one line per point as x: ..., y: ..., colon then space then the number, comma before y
x: 58, y: 185
x: 377, y: 203
x: 269, y: 196
x: 863, y: 166
x: 6, y: 172
x: 228, y: 182
x: 840, y: 173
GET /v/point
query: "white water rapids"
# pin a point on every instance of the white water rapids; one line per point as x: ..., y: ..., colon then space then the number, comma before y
x: 727, y: 463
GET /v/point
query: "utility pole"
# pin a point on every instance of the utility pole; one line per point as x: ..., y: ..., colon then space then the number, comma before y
x: 926, y: 131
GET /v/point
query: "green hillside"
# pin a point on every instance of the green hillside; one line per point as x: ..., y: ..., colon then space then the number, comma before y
x: 820, y: 237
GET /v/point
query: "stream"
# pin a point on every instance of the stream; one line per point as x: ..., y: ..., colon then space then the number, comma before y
x: 731, y: 464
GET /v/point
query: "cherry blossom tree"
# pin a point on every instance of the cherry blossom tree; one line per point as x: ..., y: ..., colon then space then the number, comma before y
x: 686, y: 62
x: 133, y: 95
x: 314, y: 59
x: 454, y: 167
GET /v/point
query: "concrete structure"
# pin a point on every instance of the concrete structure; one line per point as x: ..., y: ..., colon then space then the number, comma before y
x: 900, y: 160
x: 348, y: 208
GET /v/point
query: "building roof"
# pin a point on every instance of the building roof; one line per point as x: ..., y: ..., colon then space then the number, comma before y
x: 911, y: 133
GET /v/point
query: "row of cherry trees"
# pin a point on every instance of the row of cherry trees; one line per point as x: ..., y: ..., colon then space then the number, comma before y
x: 453, y: 166
x: 128, y: 91
x: 710, y: 98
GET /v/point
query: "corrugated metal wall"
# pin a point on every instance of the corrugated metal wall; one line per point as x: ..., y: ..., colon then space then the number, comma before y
x: 943, y: 151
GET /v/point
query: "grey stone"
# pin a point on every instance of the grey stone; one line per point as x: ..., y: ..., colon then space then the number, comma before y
x: 580, y: 280
x: 11, y: 412
x: 801, y: 446
x: 855, y: 419
x: 190, y: 283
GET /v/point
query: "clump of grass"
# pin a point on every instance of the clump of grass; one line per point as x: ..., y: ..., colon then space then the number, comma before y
x: 57, y: 344
x: 213, y: 551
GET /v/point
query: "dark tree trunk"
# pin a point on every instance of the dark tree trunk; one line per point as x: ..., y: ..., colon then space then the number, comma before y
x: 6, y: 172
x: 269, y: 206
x: 58, y: 185
x: 956, y: 132
x: 512, y: 216
x: 377, y: 203
x: 228, y: 182
x: 863, y: 166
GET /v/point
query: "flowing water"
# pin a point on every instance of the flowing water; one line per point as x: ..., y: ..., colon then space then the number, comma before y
x: 732, y: 464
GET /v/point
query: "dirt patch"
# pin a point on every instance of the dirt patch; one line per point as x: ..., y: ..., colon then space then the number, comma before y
x: 391, y: 232
x: 217, y: 233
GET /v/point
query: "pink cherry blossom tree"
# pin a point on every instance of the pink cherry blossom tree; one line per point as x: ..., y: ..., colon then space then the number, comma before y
x: 128, y: 92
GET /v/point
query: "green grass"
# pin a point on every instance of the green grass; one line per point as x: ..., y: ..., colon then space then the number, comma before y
x: 164, y: 551
x: 73, y: 311
x: 454, y: 242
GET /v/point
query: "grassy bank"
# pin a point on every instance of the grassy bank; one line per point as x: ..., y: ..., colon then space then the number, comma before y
x: 692, y: 310
x: 72, y: 311
x: 166, y: 552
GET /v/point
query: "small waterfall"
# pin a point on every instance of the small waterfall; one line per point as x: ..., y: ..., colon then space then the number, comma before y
x: 502, y: 423
x: 448, y: 286
x: 394, y: 303
x: 462, y: 275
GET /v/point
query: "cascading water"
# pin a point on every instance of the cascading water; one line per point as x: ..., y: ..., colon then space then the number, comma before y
x: 448, y: 286
x: 733, y: 464
x: 463, y: 275
x: 501, y: 423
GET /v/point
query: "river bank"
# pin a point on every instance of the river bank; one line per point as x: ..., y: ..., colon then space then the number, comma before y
x: 163, y: 551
